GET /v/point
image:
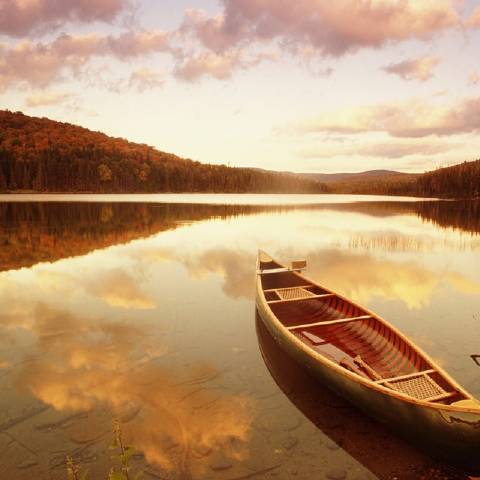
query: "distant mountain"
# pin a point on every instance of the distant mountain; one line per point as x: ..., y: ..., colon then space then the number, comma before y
x: 354, y: 177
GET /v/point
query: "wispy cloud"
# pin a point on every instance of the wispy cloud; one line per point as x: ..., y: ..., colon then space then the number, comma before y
x: 42, y: 99
x: 474, y: 79
x: 474, y: 20
x: 379, y: 149
x: 414, y: 118
x: 145, y: 78
x: 217, y: 65
x: 420, y: 69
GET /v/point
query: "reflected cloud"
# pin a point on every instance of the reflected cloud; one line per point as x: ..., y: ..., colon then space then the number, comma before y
x: 79, y: 364
x: 361, y: 277
x: 235, y: 267
x: 119, y: 289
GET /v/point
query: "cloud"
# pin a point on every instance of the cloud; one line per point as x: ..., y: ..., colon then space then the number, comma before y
x: 145, y: 79
x: 322, y: 24
x: 22, y: 17
x: 420, y: 69
x: 414, y: 118
x: 233, y: 266
x: 474, y: 79
x: 41, y: 64
x: 217, y: 65
x: 474, y: 20
x: 387, y: 150
x: 119, y: 289
x: 43, y: 99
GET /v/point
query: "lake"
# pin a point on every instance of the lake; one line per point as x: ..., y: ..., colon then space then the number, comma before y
x: 137, y: 313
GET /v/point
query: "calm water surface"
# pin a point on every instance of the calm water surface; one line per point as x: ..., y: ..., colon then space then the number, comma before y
x: 144, y: 312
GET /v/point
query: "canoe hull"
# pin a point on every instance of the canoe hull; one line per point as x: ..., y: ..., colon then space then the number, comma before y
x: 438, y: 430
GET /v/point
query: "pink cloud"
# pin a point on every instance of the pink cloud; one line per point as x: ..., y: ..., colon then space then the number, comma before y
x: 145, y: 79
x: 474, y: 20
x: 474, y: 79
x: 40, y: 64
x: 21, y: 17
x: 413, y: 119
x: 420, y: 69
x: 388, y: 150
x: 217, y: 65
x: 42, y: 99
x: 332, y: 28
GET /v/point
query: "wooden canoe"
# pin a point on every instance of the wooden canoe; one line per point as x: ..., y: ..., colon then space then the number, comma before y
x: 366, y: 360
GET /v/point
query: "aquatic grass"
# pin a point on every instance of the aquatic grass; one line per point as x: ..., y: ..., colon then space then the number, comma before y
x: 73, y: 470
x: 122, y: 456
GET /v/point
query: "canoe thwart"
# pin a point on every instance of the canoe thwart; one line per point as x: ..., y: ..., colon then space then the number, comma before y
x: 306, y: 297
x: 292, y: 268
x: 299, y: 264
x: 328, y: 322
x: 286, y: 288
x: 273, y: 270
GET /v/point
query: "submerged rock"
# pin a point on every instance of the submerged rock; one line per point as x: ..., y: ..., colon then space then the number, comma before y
x: 336, y: 474
x: 220, y: 462
x: 28, y: 463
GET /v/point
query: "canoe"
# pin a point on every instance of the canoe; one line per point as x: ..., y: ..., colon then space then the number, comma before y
x: 356, y: 434
x: 366, y: 360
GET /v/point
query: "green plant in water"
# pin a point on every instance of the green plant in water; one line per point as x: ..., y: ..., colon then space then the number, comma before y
x: 73, y: 470
x: 124, y: 454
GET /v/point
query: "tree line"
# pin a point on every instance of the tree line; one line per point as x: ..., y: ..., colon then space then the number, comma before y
x: 38, y: 154
x: 458, y: 181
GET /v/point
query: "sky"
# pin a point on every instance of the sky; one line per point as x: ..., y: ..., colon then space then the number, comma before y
x: 306, y: 86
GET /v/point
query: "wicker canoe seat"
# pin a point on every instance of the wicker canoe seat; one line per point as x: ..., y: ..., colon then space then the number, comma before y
x: 418, y: 385
x: 293, y: 293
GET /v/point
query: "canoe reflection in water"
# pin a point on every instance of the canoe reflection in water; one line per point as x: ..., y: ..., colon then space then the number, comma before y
x: 372, y: 444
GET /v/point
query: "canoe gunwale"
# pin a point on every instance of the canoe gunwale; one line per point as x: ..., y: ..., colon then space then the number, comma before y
x: 272, y: 318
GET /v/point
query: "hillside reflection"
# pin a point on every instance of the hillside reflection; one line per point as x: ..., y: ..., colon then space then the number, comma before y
x: 31, y: 233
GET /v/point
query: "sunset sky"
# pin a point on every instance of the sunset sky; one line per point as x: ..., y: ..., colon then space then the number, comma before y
x: 305, y: 85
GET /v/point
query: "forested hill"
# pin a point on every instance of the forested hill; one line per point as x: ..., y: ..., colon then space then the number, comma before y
x: 460, y: 181
x: 38, y: 154
x: 457, y: 181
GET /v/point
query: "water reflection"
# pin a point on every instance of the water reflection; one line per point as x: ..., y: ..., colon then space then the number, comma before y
x: 359, y: 276
x: 173, y: 416
x: 143, y: 312
x: 38, y: 232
